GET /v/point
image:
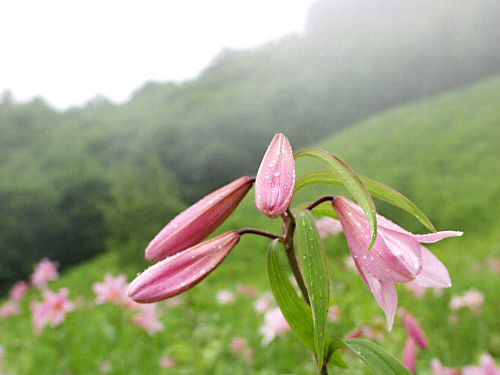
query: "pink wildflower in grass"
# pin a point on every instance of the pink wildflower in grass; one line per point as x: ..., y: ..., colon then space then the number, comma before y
x: 44, y: 272
x: 246, y: 290
x: 327, y: 226
x: 410, y: 355
x: 167, y: 362
x: 274, y: 324
x: 439, y: 369
x: 105, y: 367
x: 224, y: 297
x: 264, y: 302
x: 487, y: 367
x: 493, y: 263
x: 18, y: 290
x: 52, y: 310
x: 147, y: 318
x: 237, y: 345
x: 473, y: 299
x: 333, y: 314
x: 396, y: 257
x: 9, y: 308
x: 112, y: 289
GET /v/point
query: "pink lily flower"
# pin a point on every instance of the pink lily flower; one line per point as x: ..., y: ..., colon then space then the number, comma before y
x: 44, y: 272
x: 276, y: 178
x: 181, y: 271
x: 274, y: 324
x: 18, y: 290
x: 198, y: 221
x: 415, y: 330
x: 439, y: 369
x: 326, y: 226
x: 410, y: 355
x: 52, y: 310
x: 147, y: 318
x: 396, y: 257
x: 112, y: 289
x: 487, y: 367
x: 9, y: 308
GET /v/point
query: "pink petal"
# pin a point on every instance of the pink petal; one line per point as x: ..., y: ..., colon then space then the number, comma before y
x: 276, y: 178
x: 386, y: 297
x: 435, y: 237
x: 198, y: 221
x: 434, y: 273
x: 394, y: 257
x: 410, y: 355
x: 181, y: 271
x: 415, y: 331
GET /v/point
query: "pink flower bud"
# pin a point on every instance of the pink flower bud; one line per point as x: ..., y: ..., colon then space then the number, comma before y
x: 198, y: 221
x: 415, y: 331
x: 276, y: 178
x: 181, y: 271
x: 410, y: 355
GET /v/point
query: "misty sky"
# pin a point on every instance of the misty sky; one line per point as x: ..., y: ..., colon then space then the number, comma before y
x: 67, y: 51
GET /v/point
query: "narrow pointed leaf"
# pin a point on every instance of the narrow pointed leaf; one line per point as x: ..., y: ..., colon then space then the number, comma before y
x: 377, y: 189
x: 312, y: 260
x: 376, y: 358
x: 351, y: 181
x: 297, y: 313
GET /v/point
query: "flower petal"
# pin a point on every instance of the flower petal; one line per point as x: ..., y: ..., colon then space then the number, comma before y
x: 386, y: 297
x: 435, y: 237
x: 433, y: 273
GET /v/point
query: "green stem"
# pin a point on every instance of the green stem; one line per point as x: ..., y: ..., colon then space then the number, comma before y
x: 290, y: 254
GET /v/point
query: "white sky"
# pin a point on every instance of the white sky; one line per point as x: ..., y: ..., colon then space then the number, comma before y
x: 67, y: 51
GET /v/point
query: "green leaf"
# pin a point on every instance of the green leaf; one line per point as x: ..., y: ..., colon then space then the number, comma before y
x: 377, y: 189
x: 351, y: 181
x: 376, y: 358
x: 323, y: 209
x: 312, y: 260
x: 297, y: 313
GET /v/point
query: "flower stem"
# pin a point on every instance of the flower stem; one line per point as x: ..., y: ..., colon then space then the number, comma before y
x: 289, y: 221
x: 320, y: 200
x: 260, y: 233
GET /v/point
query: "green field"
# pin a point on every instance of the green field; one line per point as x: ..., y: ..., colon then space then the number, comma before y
x: 441, y: 152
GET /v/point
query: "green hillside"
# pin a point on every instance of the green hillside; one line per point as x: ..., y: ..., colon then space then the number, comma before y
x: 441, y: 152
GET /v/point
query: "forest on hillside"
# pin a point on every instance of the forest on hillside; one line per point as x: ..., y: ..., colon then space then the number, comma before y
x: 107, y: 176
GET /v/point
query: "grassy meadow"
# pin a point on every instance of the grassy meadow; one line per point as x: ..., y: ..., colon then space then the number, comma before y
x: 441, y: 152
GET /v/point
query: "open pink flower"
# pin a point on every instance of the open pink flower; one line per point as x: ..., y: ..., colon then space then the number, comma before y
x: 44, y: 272
x: 326, y: 226
x: 410, y: 355
x: 9, y: 308
x: 396, y: 257
x: 224, y: 297
x: 18, y: 290
x: 112, y: 289
x: 439, y: 369
x: 487, y: 367
x: 168, y: 362
x: 181, y: 271
x: 198, y: 221
x: 275, y: 178
x: 52, y: 310
x: 274, y: 324
x: 147, y: 318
